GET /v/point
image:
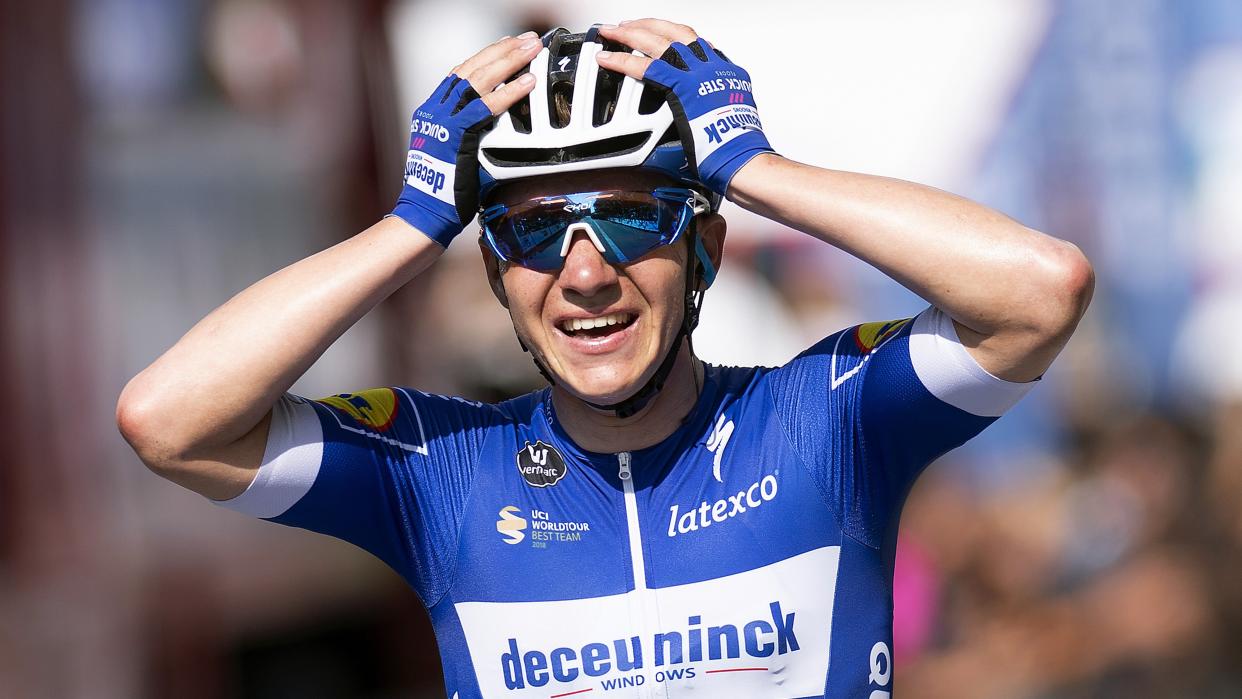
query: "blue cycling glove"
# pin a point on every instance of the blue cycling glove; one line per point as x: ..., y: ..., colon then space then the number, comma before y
x: 441, y: 191
x: 713, y: 107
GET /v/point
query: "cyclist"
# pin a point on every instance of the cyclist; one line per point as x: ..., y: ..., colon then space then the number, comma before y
x: 648, y: 524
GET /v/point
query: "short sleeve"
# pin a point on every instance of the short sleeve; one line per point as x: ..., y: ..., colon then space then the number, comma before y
x: 387, y: 469
x: 869, y: 407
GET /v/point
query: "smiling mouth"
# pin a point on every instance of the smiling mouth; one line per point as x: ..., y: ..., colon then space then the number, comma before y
x: 596, y: 327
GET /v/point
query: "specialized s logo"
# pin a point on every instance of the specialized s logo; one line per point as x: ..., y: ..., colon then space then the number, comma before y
x: 540, y: 464
x: 375, y: 408
x: 510, y: 525
x: 717, y: 441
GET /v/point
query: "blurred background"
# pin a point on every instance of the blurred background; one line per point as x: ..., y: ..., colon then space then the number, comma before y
x: 161, y: 155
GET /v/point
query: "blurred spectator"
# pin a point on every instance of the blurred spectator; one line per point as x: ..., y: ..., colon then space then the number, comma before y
x: 1095, y: 583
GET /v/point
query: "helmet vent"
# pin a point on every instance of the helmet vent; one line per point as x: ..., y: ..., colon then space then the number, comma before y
x: 564, y: 50
x: 520, y: 113
x: 650, y: 101
x: 670, y: 135
x: 607, y: 147
x: 607, y: 85
x: 607, y: 91
x: 560, y: 103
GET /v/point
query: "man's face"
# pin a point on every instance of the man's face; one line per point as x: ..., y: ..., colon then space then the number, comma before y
x: 639, y: 305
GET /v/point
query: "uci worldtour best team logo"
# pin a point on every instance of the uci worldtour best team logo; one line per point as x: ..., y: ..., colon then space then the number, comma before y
x: 539, y: 526
x: 540, y: 464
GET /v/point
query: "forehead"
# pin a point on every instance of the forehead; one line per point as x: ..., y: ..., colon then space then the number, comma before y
x: 572, y: 182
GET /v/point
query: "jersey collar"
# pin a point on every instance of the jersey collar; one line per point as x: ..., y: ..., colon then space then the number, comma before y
x: 692, y: 428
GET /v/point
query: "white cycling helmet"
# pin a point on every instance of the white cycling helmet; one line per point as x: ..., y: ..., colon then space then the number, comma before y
x: 613, y: 120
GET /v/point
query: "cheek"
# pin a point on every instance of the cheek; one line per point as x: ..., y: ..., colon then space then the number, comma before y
x: 527, y: 292
x: 665, y: 289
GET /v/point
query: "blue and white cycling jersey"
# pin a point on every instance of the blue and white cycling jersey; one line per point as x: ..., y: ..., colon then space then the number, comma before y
x: 747, y: 555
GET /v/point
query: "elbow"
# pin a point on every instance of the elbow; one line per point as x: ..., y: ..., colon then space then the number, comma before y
x: 1075, y: 282
x: 1065, y: 286
x: 131, y: 416
x: 137, y: 419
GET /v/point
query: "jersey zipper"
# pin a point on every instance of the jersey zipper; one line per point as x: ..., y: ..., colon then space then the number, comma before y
x: 631, y: 522
x: 643, y: 609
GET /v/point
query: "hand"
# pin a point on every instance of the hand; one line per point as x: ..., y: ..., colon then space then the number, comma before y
x: 710, y: 96
x: 441, y: 188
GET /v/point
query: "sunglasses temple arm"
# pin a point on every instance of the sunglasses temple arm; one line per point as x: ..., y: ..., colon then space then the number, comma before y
x: 709, y: 269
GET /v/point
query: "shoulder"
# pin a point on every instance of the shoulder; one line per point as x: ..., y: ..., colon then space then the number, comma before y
x: 403, y: 419
x: 923, y: 350
x: 380, y: 408
x: 838, y: 359
x: 845, y: 350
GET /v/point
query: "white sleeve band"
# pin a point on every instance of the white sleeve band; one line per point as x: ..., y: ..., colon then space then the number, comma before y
x: 950, y: 373
x: 290, y: 462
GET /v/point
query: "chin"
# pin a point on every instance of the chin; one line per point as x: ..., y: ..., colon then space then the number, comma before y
x: 602, y: 373
x: 603, y: 385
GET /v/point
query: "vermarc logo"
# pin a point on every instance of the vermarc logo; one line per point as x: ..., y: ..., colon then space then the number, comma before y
x: 540, y: 464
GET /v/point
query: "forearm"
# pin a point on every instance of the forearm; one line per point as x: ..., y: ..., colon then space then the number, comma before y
x: 982, y: 268
x: 1015, y: 293
x: 219, y: 380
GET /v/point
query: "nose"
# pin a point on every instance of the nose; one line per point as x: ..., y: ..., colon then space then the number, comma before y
x: 586, y: 271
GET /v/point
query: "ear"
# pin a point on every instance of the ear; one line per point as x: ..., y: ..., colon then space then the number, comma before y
x: 712, y: 229
x: 492, y: 265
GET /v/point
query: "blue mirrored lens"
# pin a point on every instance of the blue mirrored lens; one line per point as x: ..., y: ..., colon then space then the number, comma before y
x: 627, y: 224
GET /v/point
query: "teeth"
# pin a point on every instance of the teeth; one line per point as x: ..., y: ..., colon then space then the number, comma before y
x: 575, y: 324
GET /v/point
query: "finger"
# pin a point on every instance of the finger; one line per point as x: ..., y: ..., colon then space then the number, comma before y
x: 624, y: 63
x: 495, y: 47
x: 508, y: 94
x: 487, y: 76
x: 660, y: 27
x: 639, y: 38
x: 491, y: 52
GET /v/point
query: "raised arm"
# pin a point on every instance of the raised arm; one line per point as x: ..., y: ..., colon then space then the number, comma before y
x: 1015, y: 294
x: 199, y: 414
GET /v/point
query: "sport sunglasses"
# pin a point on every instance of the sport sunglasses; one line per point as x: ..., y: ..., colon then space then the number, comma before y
x: 623, y: 225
